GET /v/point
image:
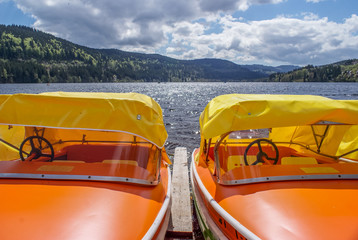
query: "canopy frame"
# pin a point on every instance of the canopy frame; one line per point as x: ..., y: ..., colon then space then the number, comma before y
x: 316, y: 135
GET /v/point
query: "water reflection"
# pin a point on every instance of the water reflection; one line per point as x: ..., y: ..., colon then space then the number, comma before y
x: 182, y: 103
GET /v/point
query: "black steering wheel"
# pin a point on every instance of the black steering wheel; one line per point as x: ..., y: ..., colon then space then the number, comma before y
x: 36, y: 149
x: 261, y: 156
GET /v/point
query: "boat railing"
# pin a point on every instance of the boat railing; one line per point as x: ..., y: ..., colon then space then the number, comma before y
x: 339, y: 157
x: 224, y: 151
x: 79, y: 141
x: 336, y: 158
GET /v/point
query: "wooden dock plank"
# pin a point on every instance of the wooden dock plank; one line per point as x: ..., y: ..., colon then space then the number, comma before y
x: 181, y: 214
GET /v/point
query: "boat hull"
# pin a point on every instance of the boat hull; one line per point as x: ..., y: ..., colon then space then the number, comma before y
x: 54, y: 209
x: 208, y: 227
x: 275, y: 210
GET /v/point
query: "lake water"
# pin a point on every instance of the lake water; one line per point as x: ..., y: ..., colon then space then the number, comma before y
x: 182, y: 103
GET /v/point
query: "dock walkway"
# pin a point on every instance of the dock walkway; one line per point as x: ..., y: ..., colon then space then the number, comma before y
x: 181, y: 220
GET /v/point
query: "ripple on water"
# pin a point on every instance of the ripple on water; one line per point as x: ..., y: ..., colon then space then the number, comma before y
x: 182, y: 103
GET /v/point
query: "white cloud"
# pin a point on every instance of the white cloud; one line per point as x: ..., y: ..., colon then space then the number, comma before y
x: 189, y: 29
x: 108, y: 23
x: 310, y: 16
x: 120, y: 23
x: 315, y: 1
x: 280, y: 40
x: 232, y: 5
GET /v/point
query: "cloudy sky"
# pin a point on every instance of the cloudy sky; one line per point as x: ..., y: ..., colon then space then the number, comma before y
x: 270, y: 32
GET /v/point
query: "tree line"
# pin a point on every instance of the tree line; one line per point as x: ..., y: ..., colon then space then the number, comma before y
x: 345, y: 71
x: 31, y: 56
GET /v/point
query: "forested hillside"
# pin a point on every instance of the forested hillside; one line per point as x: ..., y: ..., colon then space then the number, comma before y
x: 31, y: 56
x: 345, y: 71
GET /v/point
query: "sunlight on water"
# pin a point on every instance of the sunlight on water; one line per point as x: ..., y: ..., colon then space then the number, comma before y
x: 182, y: 103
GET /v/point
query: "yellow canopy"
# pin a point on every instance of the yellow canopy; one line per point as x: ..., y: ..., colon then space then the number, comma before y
x: 132, y: 113
x: 235, y: 112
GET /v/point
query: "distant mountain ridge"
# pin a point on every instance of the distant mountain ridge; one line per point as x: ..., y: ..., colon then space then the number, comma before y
x: 270, y: 70
x: 31, y: 56
x: 343, y: 71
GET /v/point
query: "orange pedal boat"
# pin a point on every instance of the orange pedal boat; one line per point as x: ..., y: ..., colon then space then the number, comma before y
x: 83, y: 166
x: 277, y: 167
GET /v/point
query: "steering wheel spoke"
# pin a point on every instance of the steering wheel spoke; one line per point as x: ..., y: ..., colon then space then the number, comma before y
x: 256, y: 162
x: 267, y: 162
x: 31, y: 156
x: 31, y: 140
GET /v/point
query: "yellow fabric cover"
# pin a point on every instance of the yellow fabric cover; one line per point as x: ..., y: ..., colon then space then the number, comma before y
x: 13, y: 135
x: 289, y: 118
x: 132, y: 113
x: 234, y: 112
x: 349, y: 142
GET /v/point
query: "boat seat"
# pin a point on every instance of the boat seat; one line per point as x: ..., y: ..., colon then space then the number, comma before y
x: 235, y: 161
x: 129, y: 162
x: 92, y: 153
x: 298, y: 160
x: 69, y: 161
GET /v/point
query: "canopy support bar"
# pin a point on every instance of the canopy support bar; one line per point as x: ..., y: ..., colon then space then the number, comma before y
x: 9, y: 144
x: 319, y: 144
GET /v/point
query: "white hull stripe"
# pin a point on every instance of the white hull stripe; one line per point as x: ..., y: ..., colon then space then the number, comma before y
x: 76, y: 178
x: 211, y: 230
x: 228, y: 218
x: 291, y: 178
x: 164, y: 209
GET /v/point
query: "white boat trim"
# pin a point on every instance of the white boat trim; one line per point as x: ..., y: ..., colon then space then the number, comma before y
x: 228, y: 218
x: 347, y: 160
x: 76, y: 178
x: 204, y: 215
x: 162, y: 212
x: 290, y: 178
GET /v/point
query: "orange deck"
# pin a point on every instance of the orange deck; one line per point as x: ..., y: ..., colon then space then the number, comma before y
x: 54, y: 209
x: 306, y: 209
